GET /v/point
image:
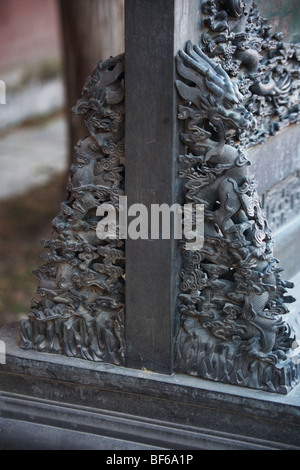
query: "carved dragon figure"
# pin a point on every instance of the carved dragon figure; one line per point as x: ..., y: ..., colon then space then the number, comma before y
x: 80, y: 306
x: 232, y: 296
x: 237, y: 88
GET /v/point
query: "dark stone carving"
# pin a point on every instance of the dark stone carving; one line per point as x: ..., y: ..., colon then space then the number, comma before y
x: 237, y: 89
x: 282, y: 203
x: 265, y: 67
x: 80, y: 307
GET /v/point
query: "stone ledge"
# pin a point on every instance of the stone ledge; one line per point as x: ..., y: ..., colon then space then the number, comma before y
x: 137, y: 409
x: 27, y: 435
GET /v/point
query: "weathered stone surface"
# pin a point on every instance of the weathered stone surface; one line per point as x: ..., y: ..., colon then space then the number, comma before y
x: 237, y: 89
x: 79, y: 309
x: 65, y: 395
x: 155, y: 30
x: 276, y: 159
x: 284, y: 15
x: 222, y: 305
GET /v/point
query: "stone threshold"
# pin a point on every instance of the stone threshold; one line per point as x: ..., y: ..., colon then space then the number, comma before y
x: 50, y: 401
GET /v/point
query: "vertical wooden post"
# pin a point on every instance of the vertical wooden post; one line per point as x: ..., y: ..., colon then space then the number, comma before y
x: 154, y: 32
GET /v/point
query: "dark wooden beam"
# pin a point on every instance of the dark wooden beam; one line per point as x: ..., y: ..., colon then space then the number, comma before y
x: 154, y: 32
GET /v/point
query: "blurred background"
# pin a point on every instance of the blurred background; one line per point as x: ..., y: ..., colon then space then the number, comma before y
x: 47, y: 49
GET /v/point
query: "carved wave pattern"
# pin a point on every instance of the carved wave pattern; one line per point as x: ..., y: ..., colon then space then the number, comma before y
x: 282, y: 202
x: 232, y: 299
x: 79, y: 310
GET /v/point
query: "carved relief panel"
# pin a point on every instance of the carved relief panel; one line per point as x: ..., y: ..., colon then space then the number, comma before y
x: 238, y: 88
x: 79, y: 311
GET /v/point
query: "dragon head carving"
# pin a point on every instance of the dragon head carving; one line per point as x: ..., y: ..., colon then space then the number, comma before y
x: 208, y: 87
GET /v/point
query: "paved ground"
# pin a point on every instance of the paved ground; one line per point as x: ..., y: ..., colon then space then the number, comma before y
x: 29, y: 156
